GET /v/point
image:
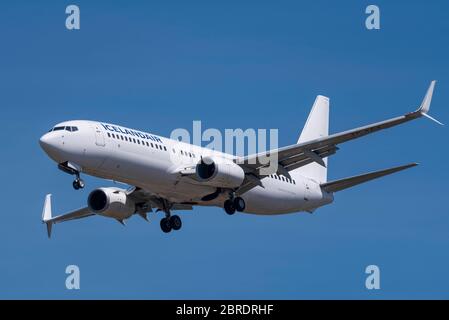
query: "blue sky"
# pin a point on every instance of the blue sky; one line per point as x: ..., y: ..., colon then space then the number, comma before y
x: 231, y: 64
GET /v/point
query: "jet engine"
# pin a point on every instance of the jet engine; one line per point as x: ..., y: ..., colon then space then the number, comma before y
x: 219, y: 172
x: 111, y: 202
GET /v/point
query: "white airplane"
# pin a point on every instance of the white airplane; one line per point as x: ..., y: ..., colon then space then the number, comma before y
x: 168, y: 175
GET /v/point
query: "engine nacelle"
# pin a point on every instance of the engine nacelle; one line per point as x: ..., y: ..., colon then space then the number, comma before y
x: 219, y: 172
x: 111, y: 202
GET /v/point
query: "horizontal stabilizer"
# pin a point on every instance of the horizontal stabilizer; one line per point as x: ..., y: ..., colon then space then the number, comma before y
x: 342, y: 184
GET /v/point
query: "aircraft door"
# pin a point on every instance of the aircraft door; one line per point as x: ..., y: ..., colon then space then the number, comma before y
x: 99, y: 136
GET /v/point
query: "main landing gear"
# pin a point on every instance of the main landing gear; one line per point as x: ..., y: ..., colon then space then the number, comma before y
x: 170, y: 222
x: 234, y: 204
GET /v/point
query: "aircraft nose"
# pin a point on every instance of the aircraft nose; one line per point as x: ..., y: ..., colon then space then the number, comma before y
x: 48, y: 143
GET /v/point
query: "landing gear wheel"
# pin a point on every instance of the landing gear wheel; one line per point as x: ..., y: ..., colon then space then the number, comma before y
x: 239, y: 204
x: 229, y: 207
x: 78, y: 184
x: 175, y: 222
x: 166, y: 225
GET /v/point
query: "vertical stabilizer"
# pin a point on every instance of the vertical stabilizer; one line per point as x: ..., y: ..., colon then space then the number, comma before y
x: 317, y: 126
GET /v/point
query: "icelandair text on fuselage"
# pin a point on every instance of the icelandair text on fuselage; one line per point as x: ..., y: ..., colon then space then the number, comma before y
x: 134, y: 133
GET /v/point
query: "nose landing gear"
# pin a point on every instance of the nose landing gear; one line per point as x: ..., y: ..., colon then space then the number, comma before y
x: 72, y: 169
x: 78, y: 183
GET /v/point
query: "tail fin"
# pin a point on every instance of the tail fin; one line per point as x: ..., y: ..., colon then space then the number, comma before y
x: 317, y: 126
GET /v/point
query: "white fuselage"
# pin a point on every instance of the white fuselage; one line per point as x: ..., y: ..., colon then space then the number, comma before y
x: 152, y: 163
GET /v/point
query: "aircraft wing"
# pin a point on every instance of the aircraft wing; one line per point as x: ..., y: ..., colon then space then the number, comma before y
x: 145, y: 201
x: 298, y: 155
x: 49, y: 220
x: 338, y: 185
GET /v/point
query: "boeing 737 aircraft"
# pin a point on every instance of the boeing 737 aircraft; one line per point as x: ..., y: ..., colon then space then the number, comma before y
x: 167, y: 175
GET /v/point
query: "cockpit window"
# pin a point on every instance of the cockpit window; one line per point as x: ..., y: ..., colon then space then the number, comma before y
x: 67, y: 128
